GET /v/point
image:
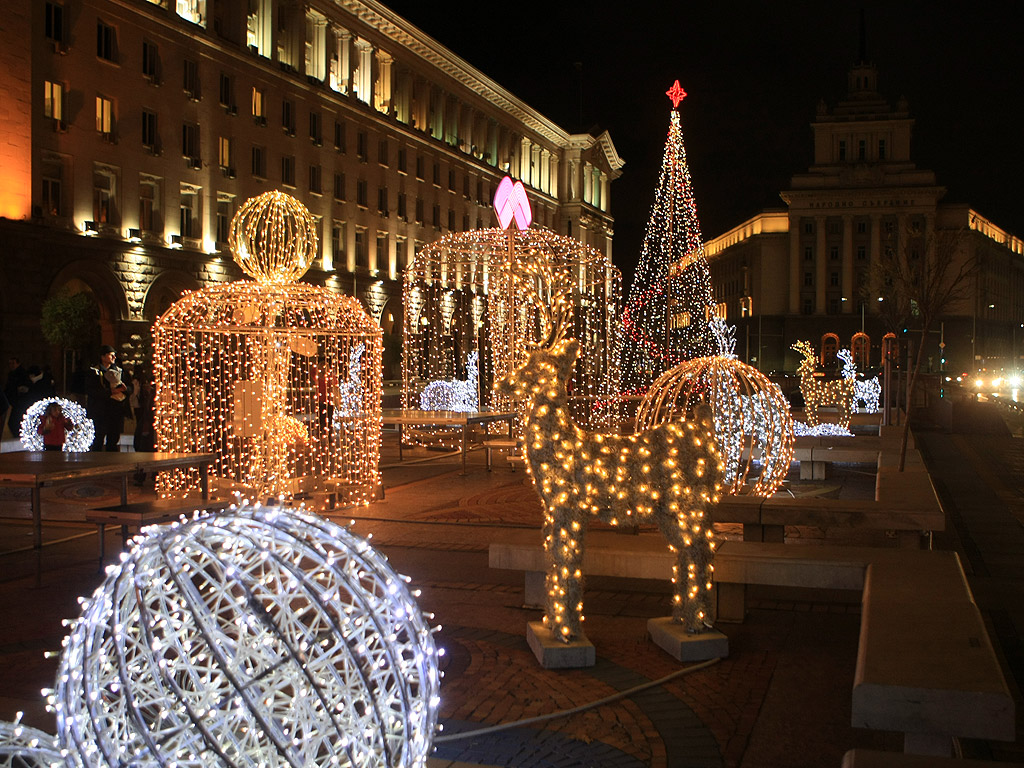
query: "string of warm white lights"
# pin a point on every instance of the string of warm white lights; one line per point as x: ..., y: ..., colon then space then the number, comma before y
x: 77, y: 439
x: 669, y: 474
x: 459, y: 299
x: 264, y: 637
x: 670, y: 304
x: 281, y: 380
x: 818, y: 393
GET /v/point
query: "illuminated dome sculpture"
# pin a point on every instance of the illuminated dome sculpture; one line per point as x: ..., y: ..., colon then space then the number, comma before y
x: 752, y: 419
x: 25, y: 747
x: 280, y: 379
x: 260, y: 637
x: 460, y: 299
x: 77, y: 439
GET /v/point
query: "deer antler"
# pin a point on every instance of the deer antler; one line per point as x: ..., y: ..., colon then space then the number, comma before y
x: 804, y: 348
x: 555, y: 310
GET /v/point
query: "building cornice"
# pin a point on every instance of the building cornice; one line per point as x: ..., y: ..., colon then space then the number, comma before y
x: 388, y: 23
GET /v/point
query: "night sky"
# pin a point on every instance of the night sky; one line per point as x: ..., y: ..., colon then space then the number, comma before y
x: 754, y: 73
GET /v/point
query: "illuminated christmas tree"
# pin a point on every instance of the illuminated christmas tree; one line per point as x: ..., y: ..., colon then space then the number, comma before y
x: 666, y: 320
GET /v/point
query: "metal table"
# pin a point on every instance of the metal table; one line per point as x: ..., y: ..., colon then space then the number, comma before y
x: 34, y: 469
x: 466, y: 419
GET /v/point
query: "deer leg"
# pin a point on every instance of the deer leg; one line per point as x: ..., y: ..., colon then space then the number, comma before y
x: 695, y: 562
x: 675, y: 529
x: 564, y: 580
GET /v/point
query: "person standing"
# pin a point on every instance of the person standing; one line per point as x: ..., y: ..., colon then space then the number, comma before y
x: 16, y: 390
x: 54, y: 427
x: 145, y: 435
x: 106, y: 400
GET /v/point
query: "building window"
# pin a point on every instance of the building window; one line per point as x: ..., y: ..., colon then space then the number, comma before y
x: 834, y: 279
x: 402, y: 160
x: 224, y: 214
x: 402, y: 212
x: 451, y: 179
x: 808, y: 306
x: 339, y: 136
x: 362, y: 254
x: 833, y: 306
x: 53, y: 100
x: 361, y: 146
x: 833, y: 253
x: 316, y: 180
x: 401, y: 251
x: 190, y: 143
x: 480, y: 191
x: 150, y: 61
x: 881, y: 149
x: 288, y: 117
x: 106, y: 41
x: 225, y: 155
x: 54, y: 22
x: 361, y: 193
x: 382, y: 250
x: 842, y: 150
x: 419, y: 211
x: 150, y: 139
x: 382, y: 201
x: 104, y: 196
x: 52, y: 191
x: 338, y: 242
x: 862, y: 149
x: 451, y: 219
x: 436, y: 216
x: 104, y: 116
x: 190, y: 80
x: 339, y: 186
x: 465, y: 187
x: 862, y: 253
x: 808, y: 253
x: 465, y: 222
x: 259, y: 162
x: 382, y: 152
x: 437, y: 174
x: 808, y: 279
x: 227, y: 92
x: 862, y: 227
x: 316, y: 133
x: 419, y: 167
x: 189, y: 208
x: 149, y: 204
x: 259, y: 105
x: 808, y: 227
x: 288, y: 170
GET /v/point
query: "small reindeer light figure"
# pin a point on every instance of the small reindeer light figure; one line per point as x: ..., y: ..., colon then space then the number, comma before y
x: 670, y: 474
x: 818, y: 393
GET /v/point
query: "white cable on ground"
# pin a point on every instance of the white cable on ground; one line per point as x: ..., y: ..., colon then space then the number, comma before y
x: 576, y: 710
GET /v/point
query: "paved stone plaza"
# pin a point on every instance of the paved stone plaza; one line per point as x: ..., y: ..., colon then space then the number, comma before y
x: 781, y: 698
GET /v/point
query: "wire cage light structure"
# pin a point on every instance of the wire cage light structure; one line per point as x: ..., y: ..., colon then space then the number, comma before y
x: 751, y: 415
x: 22, y: 746
x: 77, y: 439
x: 280, y: 379
x: 461, y: 300
x: 263, y: 636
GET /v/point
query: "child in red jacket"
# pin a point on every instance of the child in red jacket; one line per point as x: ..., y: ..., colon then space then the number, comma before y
x: 53, y: 427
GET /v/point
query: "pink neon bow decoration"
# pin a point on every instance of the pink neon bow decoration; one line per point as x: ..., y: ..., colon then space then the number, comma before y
x: 511, y: 202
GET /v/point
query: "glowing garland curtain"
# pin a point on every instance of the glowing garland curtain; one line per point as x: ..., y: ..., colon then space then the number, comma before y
x: 665, y: 321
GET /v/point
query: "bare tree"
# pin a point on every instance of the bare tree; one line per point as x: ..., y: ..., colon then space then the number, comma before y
x: 920, y: 279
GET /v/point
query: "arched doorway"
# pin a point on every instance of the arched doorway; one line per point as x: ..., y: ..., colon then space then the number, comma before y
x: 829, y: 350
x: 860, y: 346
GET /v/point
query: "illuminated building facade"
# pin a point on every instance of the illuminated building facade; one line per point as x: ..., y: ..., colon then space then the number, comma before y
x: 134, y: 128
x: 802, y: 272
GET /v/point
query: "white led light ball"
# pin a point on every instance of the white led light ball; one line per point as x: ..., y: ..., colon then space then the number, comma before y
x: 261, y: 637
x: 77, y: 439
x: 25, y: 747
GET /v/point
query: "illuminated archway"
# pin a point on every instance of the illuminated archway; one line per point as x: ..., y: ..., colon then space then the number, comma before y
x: 829, y: 349
x: 860, y: 346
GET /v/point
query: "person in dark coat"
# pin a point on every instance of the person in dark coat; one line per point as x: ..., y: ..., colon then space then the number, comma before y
x: 106, y: 400
x: 145, y: 435
x: 16, y: 390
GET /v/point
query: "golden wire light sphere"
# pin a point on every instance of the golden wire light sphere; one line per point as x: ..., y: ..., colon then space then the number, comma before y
x: 273, y: 238
x: 752, y: 419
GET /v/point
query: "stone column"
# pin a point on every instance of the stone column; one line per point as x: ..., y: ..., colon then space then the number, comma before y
x: 382, y: 83
x: 795, y: 264
x: 364, y: 71
x: 604, y: 191
x: 554, y: 176
x: 820, y: 264
x: 846, y: 254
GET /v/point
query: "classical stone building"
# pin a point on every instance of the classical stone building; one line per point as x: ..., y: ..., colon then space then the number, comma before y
x: 802, y: 272
x: 134, y: 128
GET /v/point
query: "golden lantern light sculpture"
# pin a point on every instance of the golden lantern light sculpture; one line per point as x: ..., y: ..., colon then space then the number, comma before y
x: 280, y: 379
x: 669, y: 474
x: 752, y: 417
x: 460, y: 298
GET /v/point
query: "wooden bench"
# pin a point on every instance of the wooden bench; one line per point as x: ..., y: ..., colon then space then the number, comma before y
x: 925, y: 664
x: 139, y: 514
x: 514, y: 448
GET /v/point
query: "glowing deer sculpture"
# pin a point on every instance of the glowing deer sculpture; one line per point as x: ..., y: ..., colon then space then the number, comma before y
x: 866, y: 391
x: 818, y: 393
x: 669, y: 475
x: 454, y: 394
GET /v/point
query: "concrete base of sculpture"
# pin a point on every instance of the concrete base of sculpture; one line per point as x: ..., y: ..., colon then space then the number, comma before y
x: 552, y: 653
x: 686, y: 646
